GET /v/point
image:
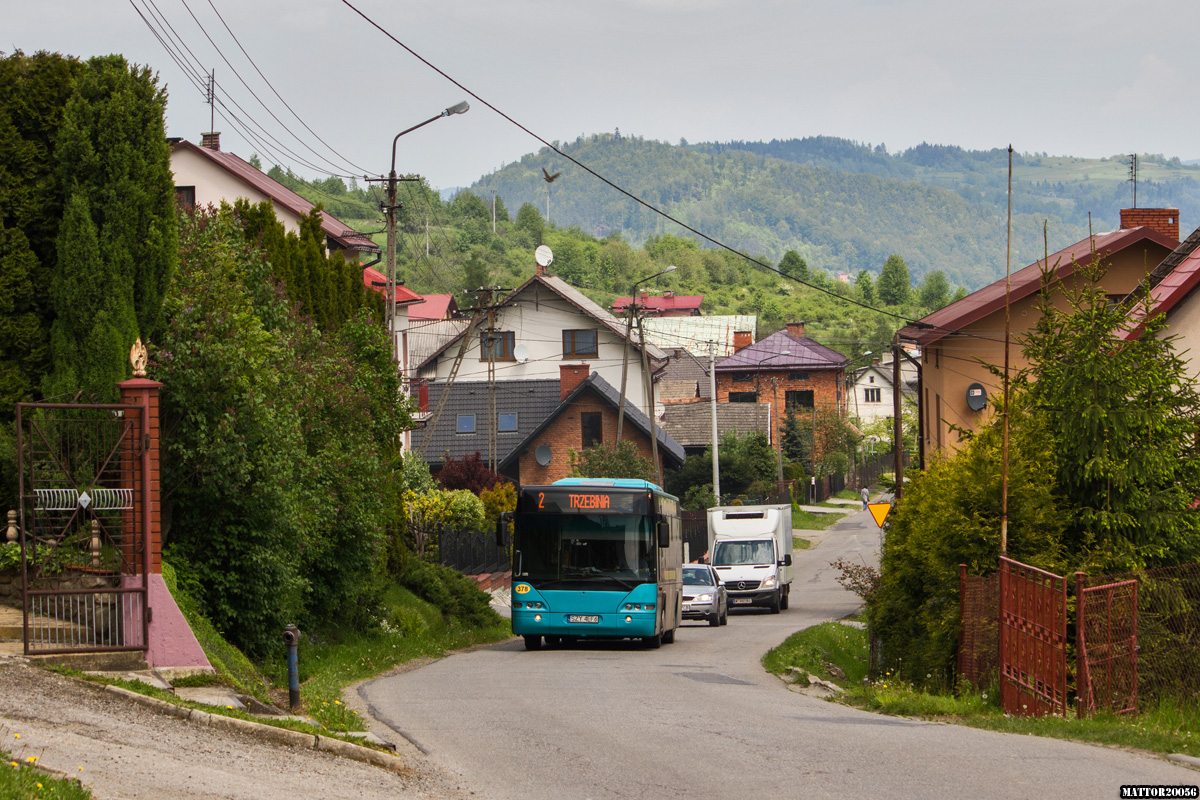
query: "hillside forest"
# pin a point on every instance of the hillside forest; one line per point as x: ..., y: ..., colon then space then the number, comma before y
x: 840, y: 216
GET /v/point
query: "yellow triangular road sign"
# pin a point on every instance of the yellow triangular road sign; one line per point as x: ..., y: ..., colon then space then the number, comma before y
x: 879, y: 511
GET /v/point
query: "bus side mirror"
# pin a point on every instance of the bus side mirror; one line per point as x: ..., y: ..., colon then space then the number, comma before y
x: 502, y: 526
x: 787, y: 560
x: 664, y: 533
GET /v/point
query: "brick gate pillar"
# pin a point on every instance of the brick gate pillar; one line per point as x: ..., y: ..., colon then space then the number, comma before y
x: 142, y: 393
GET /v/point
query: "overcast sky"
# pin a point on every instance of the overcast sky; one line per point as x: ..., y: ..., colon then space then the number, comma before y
x: 1063, y: 76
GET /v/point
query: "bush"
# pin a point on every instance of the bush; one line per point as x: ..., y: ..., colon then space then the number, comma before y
x: 454, y: 594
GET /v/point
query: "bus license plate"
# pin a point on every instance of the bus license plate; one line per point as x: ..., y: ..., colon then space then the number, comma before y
x: 592, y: 618
x: 743, y: 601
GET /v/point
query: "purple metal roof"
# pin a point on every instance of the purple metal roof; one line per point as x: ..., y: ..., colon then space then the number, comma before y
x: 801, y: 353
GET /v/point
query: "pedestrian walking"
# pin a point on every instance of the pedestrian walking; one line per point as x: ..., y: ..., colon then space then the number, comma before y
x: 866, y: 497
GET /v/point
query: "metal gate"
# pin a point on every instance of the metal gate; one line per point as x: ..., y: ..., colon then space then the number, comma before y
x: 1106, y: 646
x: 1033, y: 640
x: 84, y: 507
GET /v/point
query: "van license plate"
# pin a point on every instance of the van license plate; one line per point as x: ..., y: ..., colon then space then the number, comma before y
x: 592, y: 618
x: 743, y: 601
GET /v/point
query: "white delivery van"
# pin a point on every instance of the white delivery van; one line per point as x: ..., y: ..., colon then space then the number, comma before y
x: 751, y: 549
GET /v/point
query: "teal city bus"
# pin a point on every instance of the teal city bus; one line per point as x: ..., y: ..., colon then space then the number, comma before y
x: 595, y: 558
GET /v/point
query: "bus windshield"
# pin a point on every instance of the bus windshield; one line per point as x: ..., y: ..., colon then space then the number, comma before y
x: 593, y: 551
x: 734, y: 554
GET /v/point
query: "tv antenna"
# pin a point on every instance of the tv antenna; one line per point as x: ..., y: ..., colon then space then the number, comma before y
x: 1133, y: 176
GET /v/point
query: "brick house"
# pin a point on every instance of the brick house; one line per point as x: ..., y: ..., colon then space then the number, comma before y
x: 586, y: 415
x: 786, y: 368
x: 958, y: 341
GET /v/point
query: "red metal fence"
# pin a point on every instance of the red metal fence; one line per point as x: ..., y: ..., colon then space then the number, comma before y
x: 1033, y: 640
x: 1106, y: 646
x: 1136, y: 637
x: 978, y: 629
x: 1168, y: 632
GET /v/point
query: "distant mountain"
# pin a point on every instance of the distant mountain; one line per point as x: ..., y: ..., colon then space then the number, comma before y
x: 843, y: 205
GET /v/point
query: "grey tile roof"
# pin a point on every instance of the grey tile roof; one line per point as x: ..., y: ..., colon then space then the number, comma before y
x: 668, y: 447
x: 683, y: 377
x: 532, y: 401
x: 690, y: 424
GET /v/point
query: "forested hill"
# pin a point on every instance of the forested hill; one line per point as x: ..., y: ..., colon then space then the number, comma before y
x: 842, y: 205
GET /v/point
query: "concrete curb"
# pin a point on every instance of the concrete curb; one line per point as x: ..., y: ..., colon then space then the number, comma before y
x: 1180, y: 758
x: 284, y: 736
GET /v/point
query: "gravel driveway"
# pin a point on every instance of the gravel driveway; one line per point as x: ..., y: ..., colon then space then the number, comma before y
x: 129, y: 751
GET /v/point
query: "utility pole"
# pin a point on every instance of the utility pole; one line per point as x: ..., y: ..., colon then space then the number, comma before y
x: 712, y: 387
x: 897, y: 421
x: 625, y: 367
x: 650, y: 400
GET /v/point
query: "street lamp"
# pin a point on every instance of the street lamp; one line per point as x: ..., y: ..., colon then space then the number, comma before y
x: 460, y: 108
x: 625, y: 360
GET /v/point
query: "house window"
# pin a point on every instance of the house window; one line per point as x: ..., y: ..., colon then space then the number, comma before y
x: 185, y: 196
x: 743, y: 397
x: 797, y: 376
x: 802, y: 398
x: 497, y: 345
x: 743, y: 377
x: 591, y: 427
x: 466, y: 423
x: 579, y: 343
x: 871, y: 395
x: 507, y: 423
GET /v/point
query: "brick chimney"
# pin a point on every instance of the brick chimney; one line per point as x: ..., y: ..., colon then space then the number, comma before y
x: 1163, y: 220
x: 570, y: 376
x: 742, y: 339
x: 796, y: 329
x: 645, y: 296
x: 211, y: 140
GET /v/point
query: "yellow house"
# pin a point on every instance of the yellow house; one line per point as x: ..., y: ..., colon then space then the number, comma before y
x: 959, y: 340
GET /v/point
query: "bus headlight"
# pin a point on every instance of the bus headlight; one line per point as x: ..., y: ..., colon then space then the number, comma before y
x: 769, y: 583
x: 537, y: 617
x: 629, y: 619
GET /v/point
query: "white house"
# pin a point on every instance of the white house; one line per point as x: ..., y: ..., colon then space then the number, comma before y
x: 542, y: 325
x: 871, y: 397
x: 205, y: 175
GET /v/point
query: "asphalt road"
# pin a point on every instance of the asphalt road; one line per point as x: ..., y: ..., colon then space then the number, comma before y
x: 701, y: 718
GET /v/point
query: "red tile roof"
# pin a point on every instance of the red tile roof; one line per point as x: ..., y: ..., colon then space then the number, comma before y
x: 334, y: 228
x: 436, y: 306
x: 1168, y: 294
x: 1027, y: 281
x: 374, y: 279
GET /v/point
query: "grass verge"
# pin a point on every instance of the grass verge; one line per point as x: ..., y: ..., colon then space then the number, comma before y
x: 21, y: 777
x: 329, y: 661
x: 837, y: 653
x: 808, y: 521
x: 800, y: 543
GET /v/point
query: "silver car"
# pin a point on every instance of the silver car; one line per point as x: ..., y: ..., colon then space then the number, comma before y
x: 704, y: 595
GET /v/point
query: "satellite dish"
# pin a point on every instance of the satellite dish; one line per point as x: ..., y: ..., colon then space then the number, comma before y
x: 521, y: 353
x: 543, y: 256
x: 976, y: 397
x: 542, y: 454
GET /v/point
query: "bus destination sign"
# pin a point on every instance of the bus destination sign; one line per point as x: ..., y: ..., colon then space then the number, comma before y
x: 579, y: 500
